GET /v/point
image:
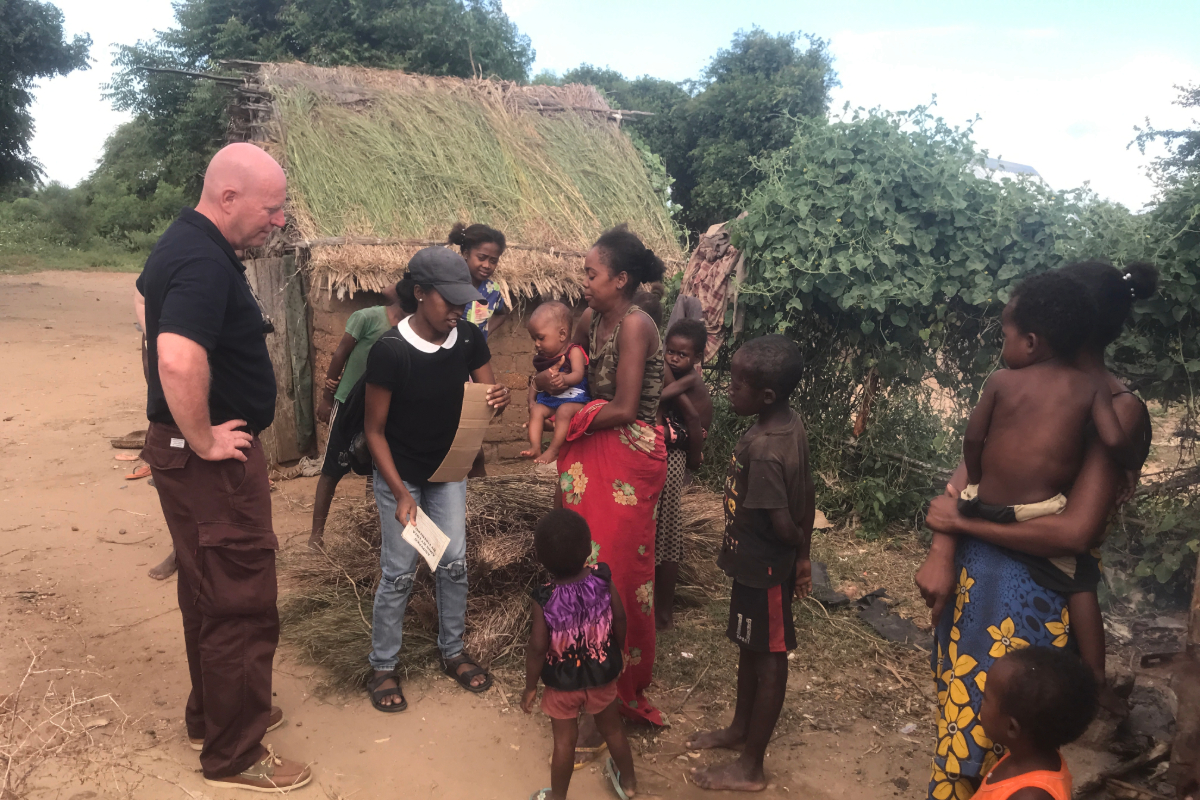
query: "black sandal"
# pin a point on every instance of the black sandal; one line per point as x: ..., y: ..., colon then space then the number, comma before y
x: 464, y: 679
x: 377, y: 694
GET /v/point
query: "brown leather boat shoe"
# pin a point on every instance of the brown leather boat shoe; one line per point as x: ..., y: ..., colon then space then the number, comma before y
x: 271, y: 774
x: 274, y: 722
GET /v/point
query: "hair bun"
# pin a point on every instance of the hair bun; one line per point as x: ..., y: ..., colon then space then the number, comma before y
x: 652, y: 268
x: 458, y: 234
x: 1142, y: 278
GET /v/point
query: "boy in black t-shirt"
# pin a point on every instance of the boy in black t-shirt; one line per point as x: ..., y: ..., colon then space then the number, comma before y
x: 769, y: 508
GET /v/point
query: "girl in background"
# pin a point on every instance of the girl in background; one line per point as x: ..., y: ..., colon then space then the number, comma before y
x: 481, y: 248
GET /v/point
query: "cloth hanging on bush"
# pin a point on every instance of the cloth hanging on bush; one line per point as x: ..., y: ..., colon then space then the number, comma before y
x: 707, y: 279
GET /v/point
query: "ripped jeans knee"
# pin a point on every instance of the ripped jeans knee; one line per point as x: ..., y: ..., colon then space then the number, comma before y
x: 400, y: 583
x: 387, y: 623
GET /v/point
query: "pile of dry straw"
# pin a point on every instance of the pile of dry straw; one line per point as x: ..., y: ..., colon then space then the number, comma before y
x: 327, y: 613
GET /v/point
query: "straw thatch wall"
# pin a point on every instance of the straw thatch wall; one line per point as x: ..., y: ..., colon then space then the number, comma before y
x: 395, y: 159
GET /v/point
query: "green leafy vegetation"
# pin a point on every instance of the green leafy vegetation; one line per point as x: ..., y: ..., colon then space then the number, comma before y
x: 709, y: 132
x: 32, y: 46
x: 879, y: 244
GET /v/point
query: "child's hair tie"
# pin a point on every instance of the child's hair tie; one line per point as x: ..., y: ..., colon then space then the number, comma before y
x: 1128, y: 276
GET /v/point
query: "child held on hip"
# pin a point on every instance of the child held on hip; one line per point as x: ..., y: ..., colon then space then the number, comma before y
x: 1025, y: 440
x: 575, y: 647
x: 1037, y: 700
x: 550, y: 328
x: 769, y: 509
x: 685, y: 412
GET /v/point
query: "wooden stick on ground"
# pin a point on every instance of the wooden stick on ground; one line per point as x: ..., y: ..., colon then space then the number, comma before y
x: 1156, y: 753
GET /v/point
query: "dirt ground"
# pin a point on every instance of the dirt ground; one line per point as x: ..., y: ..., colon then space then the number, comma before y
x: 108, y: 670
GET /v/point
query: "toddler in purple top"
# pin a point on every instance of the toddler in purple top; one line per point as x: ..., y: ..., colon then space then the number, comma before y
x: 575, y: 649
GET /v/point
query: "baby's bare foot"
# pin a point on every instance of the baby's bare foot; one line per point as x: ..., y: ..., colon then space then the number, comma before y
x: 165, y: 569
x: 548, y: 457
x: 531, y: 453
x: 729, y: 777
x: 707, y: 740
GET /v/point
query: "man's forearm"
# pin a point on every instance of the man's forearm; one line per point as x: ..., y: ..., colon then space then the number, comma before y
x: 185, y: 383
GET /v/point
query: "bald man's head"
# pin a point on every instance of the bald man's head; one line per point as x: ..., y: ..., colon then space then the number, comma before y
x: 244, y: 193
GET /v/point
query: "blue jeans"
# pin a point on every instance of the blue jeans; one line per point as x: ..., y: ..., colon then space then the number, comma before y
x: 446, y: 505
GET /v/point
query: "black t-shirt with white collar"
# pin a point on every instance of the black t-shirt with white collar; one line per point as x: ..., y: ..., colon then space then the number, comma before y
x: 426, y: 381
x: 195, y: 286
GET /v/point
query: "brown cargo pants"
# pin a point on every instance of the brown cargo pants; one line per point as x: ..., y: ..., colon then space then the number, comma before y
x: 219, y: 515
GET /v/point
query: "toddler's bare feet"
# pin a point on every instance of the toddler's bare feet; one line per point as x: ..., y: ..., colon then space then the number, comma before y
x: 532, y: 452
x: 707, y: 740
x: 549, y: 456
x: 731, y: 777
x: 165, y: 569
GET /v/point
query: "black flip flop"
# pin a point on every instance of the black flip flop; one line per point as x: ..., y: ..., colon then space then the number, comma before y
x: 377, y: 694
x: 464, y: 679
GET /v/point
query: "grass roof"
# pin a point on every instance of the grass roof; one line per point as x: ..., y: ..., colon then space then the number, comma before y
x: 400, y: 157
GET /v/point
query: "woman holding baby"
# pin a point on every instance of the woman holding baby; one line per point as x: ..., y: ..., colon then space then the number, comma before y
x: 981, y: 578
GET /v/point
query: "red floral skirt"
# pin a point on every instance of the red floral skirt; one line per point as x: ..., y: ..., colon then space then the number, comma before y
x: 613, y: 478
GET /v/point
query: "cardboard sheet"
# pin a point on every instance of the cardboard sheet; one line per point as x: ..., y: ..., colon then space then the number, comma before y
x: 472, y: 425
x: 427, y: 539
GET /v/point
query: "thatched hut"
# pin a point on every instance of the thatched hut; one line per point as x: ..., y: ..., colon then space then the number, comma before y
x: 381, y: 163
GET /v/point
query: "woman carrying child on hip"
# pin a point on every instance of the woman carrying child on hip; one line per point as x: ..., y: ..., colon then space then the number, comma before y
x: 1025, y: 440
x: 550, y: 328
x: 1005, y: 590
x: 575, y: 649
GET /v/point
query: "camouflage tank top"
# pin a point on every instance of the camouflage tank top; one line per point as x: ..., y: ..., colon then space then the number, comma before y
x: 602, y: 370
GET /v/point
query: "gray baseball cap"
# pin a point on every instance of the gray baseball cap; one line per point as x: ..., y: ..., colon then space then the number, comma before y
x: 447, y: 272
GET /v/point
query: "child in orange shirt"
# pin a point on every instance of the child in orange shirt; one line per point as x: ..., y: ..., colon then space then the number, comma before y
x: 1037, y: 700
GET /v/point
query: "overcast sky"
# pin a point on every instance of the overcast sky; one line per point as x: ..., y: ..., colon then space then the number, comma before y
x: 1059, y: 86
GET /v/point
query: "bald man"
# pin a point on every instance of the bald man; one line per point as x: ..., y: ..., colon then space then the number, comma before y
x: 211, y: 392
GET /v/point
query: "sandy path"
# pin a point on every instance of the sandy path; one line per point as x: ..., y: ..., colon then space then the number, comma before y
x: 76, y: 541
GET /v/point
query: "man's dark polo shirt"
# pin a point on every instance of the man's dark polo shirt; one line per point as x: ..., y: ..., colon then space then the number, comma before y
x: 195, y: 286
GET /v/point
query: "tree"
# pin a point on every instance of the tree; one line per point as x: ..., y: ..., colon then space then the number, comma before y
x: 130, y: 201
x: 32, y: 46
x: 745, y: 107
x: 709, y: 132
x: 1183, y: 145
x: 662, y: 133
x: 184, y: 117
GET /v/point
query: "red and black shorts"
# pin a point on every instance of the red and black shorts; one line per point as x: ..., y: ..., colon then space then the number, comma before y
x: 761, y: 619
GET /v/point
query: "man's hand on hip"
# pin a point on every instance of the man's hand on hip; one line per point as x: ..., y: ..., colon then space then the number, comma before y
x: 227, y: 442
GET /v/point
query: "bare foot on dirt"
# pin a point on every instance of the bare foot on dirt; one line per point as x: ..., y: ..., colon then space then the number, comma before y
x: 549, y: 456
x: 530, y: 453
x: 708, y: 740
x: 728, y: 777
x: 165, y: 569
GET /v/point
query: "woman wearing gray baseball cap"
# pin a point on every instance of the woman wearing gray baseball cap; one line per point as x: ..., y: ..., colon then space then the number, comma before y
x: 414, y: 390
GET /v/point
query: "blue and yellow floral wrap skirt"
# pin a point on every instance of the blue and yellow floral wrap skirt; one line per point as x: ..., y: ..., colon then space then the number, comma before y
x: 997, y: 609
